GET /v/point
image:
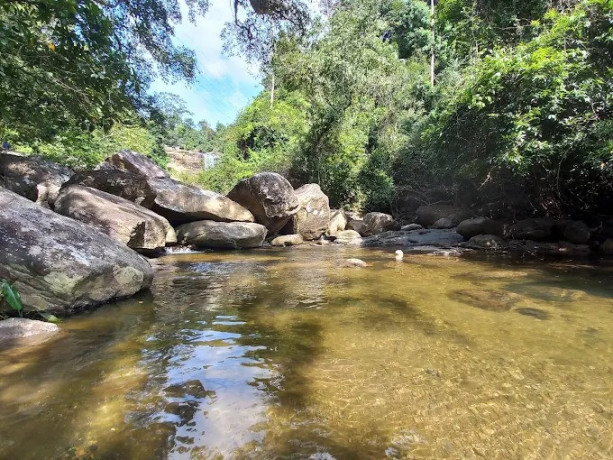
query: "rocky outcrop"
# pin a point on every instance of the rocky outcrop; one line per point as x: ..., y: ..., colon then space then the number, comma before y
x: 287, y: 240
x: 61, y: 265
x: 376, y: 223
x: 313, y: 216
x: 32, y: 177
x: 442, y: 238
x: 480, y: 226
x: 222, y: 235
x: 181, y: 203
x: 133, y: 225
x: 338, y: 222
x: 269, y: 197
x: 539, y: 228
x: 428, y: 215
x: 134, y: 162
x: 132, y: 187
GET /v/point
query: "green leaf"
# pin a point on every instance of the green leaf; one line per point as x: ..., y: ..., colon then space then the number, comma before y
x: 49, y: 317
x: 11, y: 296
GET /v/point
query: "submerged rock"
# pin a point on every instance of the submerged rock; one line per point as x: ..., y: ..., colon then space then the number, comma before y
x: 534, y: 312
x: 133, y: 225
x: 33, y: 177
x: 313, y: 217
x: 59, y: 264
x: 353, y: 263
x: 16, y: 328
x: 489, y: 300
x: 287, y: 240
x: 269, y: 197
x: 222, y: 235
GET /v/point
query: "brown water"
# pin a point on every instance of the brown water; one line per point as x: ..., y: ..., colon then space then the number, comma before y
x: 283, y: 354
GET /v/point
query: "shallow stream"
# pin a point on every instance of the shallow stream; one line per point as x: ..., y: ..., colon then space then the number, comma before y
x: 284, y: 354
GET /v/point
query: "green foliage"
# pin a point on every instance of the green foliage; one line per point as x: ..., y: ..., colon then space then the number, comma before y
x: 11, y: 296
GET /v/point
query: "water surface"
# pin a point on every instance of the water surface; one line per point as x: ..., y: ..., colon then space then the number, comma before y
x: 284, y: 354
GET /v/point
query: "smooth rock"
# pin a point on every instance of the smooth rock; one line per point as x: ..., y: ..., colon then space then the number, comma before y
x: 376, y: 223
x: 539, y: 228
x: 428, y: 215
x: 607, y: 247
x: 410, y: 227
x: 486, y: 242
x: 222, y: 235
x: 353, y: 263
x: 338, y: 222
x: 269, y: 197
x: 287, y: 240
x: 33, y: 177
x: 128, y: 185
x: 347, y: 235
x: 313, y: 216
x: 17, y: 328
x: 181, y: 203
x: 577, y: 232
x: 356, y: 225
x: 61, y: 265
x: 133, y: 225
x: 443, y: 223
x: 134, y: 162
x: 480, y: 226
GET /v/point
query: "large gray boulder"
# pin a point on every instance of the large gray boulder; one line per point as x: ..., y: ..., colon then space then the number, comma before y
x: 313, y: 217
x: 133, y: 225
x: 338, y: 222
x: 222, y: 235
x: 480, y: 226
x: 270, y: 197
x: 428, y: 215
x: 128, y: 185
x: 33, y: 177
x: 181, y: 203
x: 61, y: 265
x: 376, y: 223
x: 134, y: 162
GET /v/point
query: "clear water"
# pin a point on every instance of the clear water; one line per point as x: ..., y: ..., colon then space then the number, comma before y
x: 285, y: 354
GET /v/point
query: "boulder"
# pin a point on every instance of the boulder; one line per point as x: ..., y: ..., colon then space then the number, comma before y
x: 132, y: 187
x: 287, y: 240
x: 439, y: 238
x: 181, y: 203
x: 486, y: 242
x: 61, y: 265
x: 270, y: 197
x: 17, y: 328
x: 356, y: 225
x: 577, y: 232
x: 428, y: 215
x: 347, y: 235
x: 377, y: 222
x: 313, y: 216
x: 134, y: 162
x: 539, y: 228
x: 607, y: 247
x: 133, y: 225
x: 353, y: 263
x: 33, y: 177
x: 338, y: 222
x: 222, y: 235
x: 443, y: 223
x: 480, y: 226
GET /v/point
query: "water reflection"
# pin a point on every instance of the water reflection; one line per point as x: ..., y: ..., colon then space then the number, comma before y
x: 283, y: 354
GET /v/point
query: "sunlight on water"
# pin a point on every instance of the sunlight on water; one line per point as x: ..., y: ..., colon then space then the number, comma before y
x: 283, y: 353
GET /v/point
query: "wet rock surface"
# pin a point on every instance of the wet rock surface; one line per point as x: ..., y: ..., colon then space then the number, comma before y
x: 287, y: 240
x: 414, y: 238
x: 17, y: 328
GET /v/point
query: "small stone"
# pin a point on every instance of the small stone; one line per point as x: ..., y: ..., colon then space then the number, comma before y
x: 287, y: 240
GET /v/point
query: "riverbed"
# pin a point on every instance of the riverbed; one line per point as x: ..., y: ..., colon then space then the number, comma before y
x: 285, y: 354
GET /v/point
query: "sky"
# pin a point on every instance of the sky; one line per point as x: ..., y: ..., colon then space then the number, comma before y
x: 225, y: 85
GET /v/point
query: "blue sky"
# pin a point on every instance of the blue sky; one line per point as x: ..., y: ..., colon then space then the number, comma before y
x: 225, y: 85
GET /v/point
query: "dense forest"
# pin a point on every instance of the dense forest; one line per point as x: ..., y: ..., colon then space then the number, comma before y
x: 505, y: 107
